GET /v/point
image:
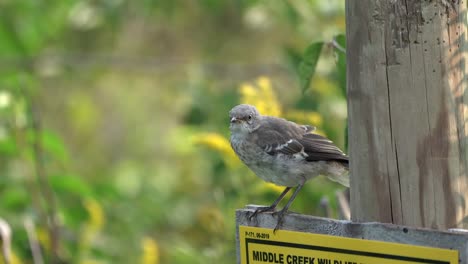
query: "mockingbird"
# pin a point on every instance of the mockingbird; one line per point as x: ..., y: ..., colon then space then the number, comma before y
x: 284, y: 153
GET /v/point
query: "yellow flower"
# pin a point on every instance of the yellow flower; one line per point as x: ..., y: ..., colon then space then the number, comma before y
x: 211, y: 219
x: 261, y: 95
x: 274, y: 187
x: 264, y: 82
x: 92, y: 227
x: 248, y: 92
x: 220, y: 144
x: 324, y: 86
x: 43, y: 238
x: 96, y: 214
x: 14, y: 259
x: 150, y: 251
x: 305, y: 117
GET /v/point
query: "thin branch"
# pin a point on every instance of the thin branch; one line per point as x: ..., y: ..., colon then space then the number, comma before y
x: 325, y: 206
x: 33, y: 242
x: 343, y: 205
x: 31, y: 186
x: 337, y: 45
x: 45, y: 189
x: 5, y: 235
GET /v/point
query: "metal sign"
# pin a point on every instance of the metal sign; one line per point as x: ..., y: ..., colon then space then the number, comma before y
x: 261, y: 245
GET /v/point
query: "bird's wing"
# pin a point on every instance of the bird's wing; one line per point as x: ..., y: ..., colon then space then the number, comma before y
x: 279, y: 136
x: 318, y: 148
x: 276, y: 136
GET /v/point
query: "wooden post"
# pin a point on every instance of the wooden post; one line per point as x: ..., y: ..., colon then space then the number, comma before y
x: 408, y: 111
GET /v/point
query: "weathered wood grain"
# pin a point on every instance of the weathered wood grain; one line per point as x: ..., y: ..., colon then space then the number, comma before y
x: 371, y: 231
x: 408, y: 112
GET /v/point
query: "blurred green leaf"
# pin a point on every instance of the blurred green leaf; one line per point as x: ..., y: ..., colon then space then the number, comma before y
x: 10, y: 45
x: 73, y: 214
x: 291, y: 13
x: 8, y: 146
x: 293, y: 58
x: 340, y: 55
x: 15, y: 197
x: 346, y: 137
x: 213, y: 5
x: 70, y: 184
x: 53, y: 144
x: 105, y: 191
x: 308, y: 64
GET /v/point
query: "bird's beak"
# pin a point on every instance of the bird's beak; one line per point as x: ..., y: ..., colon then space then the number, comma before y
x: 234, y: 120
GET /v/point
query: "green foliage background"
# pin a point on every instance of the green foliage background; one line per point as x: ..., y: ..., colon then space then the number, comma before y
x: 102, y: 103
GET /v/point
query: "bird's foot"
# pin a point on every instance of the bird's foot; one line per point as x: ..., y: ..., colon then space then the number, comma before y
x: 280, y: 214
x: 262, y: 210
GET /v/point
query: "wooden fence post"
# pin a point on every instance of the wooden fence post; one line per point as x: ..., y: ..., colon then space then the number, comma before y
x: 408, y: 111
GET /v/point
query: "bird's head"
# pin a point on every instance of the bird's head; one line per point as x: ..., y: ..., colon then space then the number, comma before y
x: 244, y: 118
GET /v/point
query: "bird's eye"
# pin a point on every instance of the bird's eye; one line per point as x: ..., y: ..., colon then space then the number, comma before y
x: 250, y: 117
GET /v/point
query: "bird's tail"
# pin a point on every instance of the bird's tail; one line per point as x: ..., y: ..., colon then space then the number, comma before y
x: 339, y: 174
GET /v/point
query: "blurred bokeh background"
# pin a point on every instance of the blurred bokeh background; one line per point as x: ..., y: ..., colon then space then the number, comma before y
x: 114, y: 126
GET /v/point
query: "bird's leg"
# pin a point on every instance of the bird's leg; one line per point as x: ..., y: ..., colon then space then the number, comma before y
x: 271, y: 207
x: 286, y: 207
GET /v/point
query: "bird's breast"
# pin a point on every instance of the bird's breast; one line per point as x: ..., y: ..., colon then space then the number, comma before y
x: 247, y: 152
x: 280, y: 169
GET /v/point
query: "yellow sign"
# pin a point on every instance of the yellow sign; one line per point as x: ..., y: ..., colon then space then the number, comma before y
x: 261, y: 245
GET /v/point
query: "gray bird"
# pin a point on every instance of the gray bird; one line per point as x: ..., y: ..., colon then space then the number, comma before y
x: 284, y: 153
